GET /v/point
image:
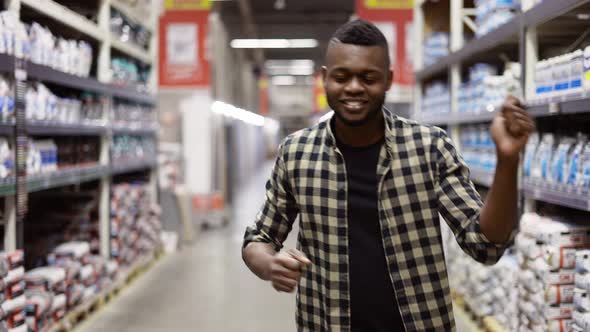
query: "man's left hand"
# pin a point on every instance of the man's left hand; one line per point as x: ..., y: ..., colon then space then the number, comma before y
x: 511, y: 129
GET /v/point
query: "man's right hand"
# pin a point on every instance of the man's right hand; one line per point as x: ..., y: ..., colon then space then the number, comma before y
x: 285, y: 270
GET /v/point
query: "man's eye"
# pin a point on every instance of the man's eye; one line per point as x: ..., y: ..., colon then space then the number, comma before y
x: 370, y: 79
x: 340, y: 79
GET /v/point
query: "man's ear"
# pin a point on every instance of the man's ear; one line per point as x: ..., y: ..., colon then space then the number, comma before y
x: 390, y: 76
x: 324, y: 74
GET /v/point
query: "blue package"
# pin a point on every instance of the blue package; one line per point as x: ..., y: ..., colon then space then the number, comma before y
x: 542, y: 158
x: 559, y: 160
x: 529, y: 155
x: 583, y: 179
x: 573, y: 164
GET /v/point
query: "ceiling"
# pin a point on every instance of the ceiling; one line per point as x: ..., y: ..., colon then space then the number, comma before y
x: 300, y: 19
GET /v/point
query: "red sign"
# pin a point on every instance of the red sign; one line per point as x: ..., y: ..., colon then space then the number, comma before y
x: 320, y: 101
x: 182, y: 49
x: 263, y: 95
x: 396, y: 25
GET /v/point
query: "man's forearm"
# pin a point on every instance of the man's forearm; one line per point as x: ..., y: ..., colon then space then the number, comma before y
x: 257, y: 256
x: 499, y: 214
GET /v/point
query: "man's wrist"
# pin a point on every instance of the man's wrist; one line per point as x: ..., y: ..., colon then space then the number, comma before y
x: 508, y: 161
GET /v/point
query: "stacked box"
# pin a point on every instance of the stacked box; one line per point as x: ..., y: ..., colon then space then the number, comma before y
x: 14, y: 299
x: 135, y: 223
x: 581, y: 315
x: 546, y: 250
x: 73, y: 276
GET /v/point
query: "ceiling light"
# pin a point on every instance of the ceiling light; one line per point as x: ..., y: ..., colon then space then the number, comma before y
x: 280, y: 4
x: 274, y: 43
x: 583, y: 16
x: 237, y: 113
x: 283, y: 80
x: 301, y: 71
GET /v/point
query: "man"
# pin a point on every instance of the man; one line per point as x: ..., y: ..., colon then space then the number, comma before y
x: 369, y: 187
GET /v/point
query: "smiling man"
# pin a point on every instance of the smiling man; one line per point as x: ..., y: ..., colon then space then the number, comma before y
x: 369, y: 187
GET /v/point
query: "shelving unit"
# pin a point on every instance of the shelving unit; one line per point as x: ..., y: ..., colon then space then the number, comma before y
x: 52, y: 12
x: 538, y: 32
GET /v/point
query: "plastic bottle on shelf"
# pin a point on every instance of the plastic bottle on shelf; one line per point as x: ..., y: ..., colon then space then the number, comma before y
x: 587, y: 68
x: 577, y: 71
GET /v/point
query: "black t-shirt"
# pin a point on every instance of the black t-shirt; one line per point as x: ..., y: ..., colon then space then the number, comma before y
x: 372, y: 298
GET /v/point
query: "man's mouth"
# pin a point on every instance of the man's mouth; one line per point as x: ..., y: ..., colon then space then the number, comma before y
x: 354, y: 105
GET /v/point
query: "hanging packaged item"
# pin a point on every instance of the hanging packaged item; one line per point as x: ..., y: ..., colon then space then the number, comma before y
x: 558, y: 294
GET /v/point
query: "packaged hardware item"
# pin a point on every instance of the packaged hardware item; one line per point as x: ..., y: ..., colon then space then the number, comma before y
x: 583, y: 176
x: 574, y: 161
x: 48, y: 278
x: 581, y: 320
x: 558, y: 294
x: 542, y: 159
x: 560, y: 257
x: 72, y: 250
x: 587, y: 68
x: 581, y: 300
x: 559, y: 161
x: 59, y: 307
x: 436, y: 46
x: 583, y: 261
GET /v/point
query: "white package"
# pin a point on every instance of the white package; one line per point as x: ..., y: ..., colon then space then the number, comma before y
x: 583, y: 281
x: 558, y: 294
x: 14, y: 275
x: 59, y: 302
x: 75, y: 250
x: 560, y: 325
x: 582, y: 320
x: 53, y: 274
x: 583, y: 261
x: 9, y: 306
x: 581, y: 300
x: 86, y: 272
x: 560, y: 257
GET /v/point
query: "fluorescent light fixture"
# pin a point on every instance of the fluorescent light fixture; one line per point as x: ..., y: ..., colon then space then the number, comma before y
x: 283, y: 80
x: 301, y: 71
x: 233, y: 112
x: 301, y: 67
x: 274, y: 43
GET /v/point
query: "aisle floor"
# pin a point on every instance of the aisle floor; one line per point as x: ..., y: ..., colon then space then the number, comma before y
x: 205, y: 287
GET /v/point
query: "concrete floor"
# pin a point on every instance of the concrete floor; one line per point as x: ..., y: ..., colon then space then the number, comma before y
x: 205, y: 287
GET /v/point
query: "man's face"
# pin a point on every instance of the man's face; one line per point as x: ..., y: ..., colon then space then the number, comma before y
x: 356, y: 79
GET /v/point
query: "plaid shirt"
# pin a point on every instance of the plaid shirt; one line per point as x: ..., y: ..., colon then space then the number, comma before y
x: 421, y: 176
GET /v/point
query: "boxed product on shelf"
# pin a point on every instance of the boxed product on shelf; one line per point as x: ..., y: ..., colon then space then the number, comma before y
x: 491, y: 14
x: 127, y: 147
x: 137, y: 222
x: 485, y: 90
x: 561, y: 75
x: 129, y: 31
x: 130, y: 114
x: 69, y: 56
x: 41, y: 156
x: 567, y: 162
x: 127, y: 71
x: 437, y: 98
x: 43, y: 105
x: 6, y: 159
x: 436, y: 46
x: 550, y: 268
x: 7, y: 102
x: 478, y: 148
x: 14, y: 39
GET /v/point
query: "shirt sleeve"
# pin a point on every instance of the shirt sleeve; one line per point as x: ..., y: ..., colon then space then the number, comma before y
x: 460, y: 205
x: 275, y: 219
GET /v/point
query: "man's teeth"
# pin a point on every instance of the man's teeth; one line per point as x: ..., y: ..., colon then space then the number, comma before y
x: 354, y: 103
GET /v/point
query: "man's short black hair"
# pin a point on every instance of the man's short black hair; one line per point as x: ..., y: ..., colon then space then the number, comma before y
x: 360, y: 32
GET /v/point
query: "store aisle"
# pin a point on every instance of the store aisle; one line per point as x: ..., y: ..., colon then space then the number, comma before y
x: 205, y: 287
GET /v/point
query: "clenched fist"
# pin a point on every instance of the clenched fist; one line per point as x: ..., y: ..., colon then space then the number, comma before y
x: 285, y: 270
x: 511, y: 129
